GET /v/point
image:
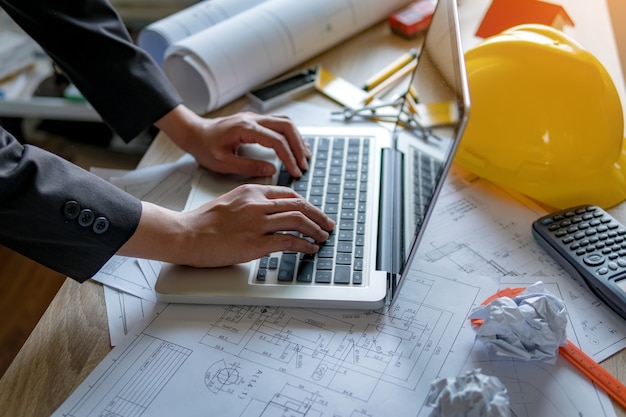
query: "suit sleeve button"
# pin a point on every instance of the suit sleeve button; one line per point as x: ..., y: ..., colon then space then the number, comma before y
x: 101, y: 225
x: 86, y: 217
x: 71, y: 209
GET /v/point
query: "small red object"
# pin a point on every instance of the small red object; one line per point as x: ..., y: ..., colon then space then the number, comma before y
x: 413, y: 19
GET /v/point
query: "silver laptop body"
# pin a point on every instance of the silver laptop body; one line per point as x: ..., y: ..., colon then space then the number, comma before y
x: 381, y: 201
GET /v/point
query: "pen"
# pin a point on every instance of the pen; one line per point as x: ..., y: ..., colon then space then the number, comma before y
x: 389, y: 81
x: 389, y: 70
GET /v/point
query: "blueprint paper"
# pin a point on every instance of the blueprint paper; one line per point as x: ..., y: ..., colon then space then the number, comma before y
x: 256, y: 361
x: 530, y: 326
x: 125, y: 274
x: 538, y: 388
x: 253, y: 361
x: 472, y: 394
x: 479, y: 229
x: 126, y: 312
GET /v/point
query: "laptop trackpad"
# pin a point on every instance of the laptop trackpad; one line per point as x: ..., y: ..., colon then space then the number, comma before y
x: 189, y: 282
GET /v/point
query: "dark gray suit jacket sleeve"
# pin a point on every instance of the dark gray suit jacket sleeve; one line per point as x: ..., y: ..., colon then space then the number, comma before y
x: 59, y: 214
x: 90, y: 44
x: 50, y: 210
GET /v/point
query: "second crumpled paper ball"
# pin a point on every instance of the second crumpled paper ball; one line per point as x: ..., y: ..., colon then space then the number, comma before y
x: 530, y: 326
x: 470, y: 395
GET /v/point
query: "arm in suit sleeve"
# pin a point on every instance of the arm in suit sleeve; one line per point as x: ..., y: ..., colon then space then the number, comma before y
x: 90, y: 43
x: 45, y: 201
x: 59, y: 214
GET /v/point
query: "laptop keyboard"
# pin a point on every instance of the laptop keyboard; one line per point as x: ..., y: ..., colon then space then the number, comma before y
x: 425, y: 172
x: 336, y: 182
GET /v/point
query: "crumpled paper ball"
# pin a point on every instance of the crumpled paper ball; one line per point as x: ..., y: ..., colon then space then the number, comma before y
x: 530, y: 326
x: 470, y: 395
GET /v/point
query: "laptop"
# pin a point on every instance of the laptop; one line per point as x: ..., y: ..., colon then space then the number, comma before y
x: 379, y: 185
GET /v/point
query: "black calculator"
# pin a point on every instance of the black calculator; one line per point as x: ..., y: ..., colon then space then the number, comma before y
x: 590, y: 245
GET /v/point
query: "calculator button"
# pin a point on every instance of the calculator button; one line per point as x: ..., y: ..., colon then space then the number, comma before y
x: 594, y: 259
x: 261, y: 274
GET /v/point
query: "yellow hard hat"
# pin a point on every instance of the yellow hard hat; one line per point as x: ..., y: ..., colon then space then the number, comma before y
x: 546, y: 119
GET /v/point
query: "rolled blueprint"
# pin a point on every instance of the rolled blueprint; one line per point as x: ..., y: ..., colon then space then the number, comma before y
x: 219, y: 64
x: 158, y: 36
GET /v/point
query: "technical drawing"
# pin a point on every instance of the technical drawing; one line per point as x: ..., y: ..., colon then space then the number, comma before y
x: 495, y: 240
x: 126, y: 274
x: 291, y: 401
x: 394, y: 346
x: 534, y: 382
x: 144, y: 380
x: 288, y: 362
x: 220, y: 376
x: 294, y: 401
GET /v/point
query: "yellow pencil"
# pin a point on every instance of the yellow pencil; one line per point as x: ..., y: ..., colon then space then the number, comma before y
x: 412, y: 104
x: 389, y: 70
x: 389, y: 81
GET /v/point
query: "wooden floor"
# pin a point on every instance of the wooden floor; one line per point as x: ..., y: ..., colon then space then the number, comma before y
x: 28, y: 288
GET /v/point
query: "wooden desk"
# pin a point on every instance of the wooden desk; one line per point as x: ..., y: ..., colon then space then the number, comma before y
x: 72, y: 336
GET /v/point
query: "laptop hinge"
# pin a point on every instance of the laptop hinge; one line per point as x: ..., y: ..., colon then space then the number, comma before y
x: 392, y: 287
x: 390, y: 240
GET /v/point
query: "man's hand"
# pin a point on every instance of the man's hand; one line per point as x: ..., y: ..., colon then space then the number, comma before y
x: 241, y: 225
x: 215, y: 142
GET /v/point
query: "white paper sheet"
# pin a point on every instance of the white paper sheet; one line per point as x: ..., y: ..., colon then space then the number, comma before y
x: 125, y: 274
x: 167, y: 185
x: 125, y: 312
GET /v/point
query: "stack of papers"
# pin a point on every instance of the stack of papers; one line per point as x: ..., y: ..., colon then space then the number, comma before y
x: 248, y: 360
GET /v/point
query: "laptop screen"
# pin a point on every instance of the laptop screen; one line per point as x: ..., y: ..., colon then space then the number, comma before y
x: 431, y: 123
